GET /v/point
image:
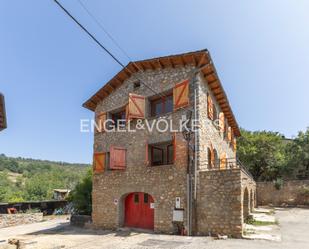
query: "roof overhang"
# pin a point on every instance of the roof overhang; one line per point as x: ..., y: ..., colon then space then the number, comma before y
x: 200, y: 59
x: 3, y: 123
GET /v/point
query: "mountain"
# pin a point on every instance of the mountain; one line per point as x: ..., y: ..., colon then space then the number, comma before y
x: 25, y: 179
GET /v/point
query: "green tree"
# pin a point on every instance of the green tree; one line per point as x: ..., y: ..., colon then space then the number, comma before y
x: 263, y: 153
x: 81, y: 196
x: 298, y: 156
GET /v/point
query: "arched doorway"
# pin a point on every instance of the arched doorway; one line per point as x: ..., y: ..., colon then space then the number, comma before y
x: 139, y: 212
x: 246, y: 204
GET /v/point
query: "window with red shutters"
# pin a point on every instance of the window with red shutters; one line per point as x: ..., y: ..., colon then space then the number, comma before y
x: 117, y: 158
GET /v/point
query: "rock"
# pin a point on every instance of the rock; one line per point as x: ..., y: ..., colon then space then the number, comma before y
x: 222, y: 237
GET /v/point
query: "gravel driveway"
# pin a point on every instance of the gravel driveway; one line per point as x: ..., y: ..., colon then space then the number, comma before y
x: 294, y: 224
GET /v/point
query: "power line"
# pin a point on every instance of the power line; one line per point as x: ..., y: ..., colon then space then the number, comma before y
x: 104, y: 48
x: 104, y: 30
x: 83, y: 28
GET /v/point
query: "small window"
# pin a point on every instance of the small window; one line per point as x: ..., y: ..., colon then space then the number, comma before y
x: 119, y: 117
x: 162, y: 154
x: 136, y: 84
x: 161, y: 105
x: 136, y: 198
x: 209, y: 158
x: 146, y: 198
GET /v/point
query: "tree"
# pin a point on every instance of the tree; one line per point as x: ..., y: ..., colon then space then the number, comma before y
x: 298, y: 156
x: 81, y: 195
x: 263, y: 154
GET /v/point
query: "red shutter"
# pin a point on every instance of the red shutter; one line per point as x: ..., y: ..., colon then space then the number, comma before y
x: 98, y: 162
x: 223, y: 160
x: 117, y: 158
x: 181, y: 94
x: 229, y: 134
x: 136, y: 106
x: 100, y: 120
x: 235, y: 144
x: 221, y: 122
x: 210, y: 110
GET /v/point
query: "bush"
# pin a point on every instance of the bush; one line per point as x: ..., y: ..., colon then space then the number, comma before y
x: 81, y: 196
x: 278, y: 183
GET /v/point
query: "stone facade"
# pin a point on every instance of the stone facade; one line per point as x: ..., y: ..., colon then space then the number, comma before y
x: 163, y: 183
x: 7, y: 220
x: 293, y: 192
x: 220, y: 192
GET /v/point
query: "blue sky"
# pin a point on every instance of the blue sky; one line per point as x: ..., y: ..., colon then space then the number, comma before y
x: 49, y: 67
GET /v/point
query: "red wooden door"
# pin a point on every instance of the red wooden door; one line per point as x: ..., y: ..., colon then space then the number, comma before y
x: 138, y: 212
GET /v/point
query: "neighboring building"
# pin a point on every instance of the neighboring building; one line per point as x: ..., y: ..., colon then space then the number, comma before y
x: 61, y: 194
x: 3, y: 123
x: 145, y: 179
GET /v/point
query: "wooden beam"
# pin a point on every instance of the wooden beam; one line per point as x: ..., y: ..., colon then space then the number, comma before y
x: 171, y: 63
x: 159, y: 63
x: 201, y: 61
x: 109, y: 86
x: 132, y: 67
x: 182, y: 62
x: 212, y: 82
x: 193, y: 59
x: 137, y: 67
x: 118, y: 81
x: 208, y: 74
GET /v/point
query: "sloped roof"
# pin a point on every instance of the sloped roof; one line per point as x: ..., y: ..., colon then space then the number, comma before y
x: 2, y: 113
x: 199, y: 58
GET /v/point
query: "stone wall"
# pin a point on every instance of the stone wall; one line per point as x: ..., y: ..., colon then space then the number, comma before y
x: 209, y: 133
x: 217, y: 213
x: 248, y: 194
x: 164, y: 183
x: 219, y: 208
x: 291, y: 193
x: 7, y: 220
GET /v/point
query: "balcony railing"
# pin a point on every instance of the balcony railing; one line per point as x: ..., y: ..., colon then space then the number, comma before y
x: 229, y: 163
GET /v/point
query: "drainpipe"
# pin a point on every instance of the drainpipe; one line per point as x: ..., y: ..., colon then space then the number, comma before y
x: 192, y: 168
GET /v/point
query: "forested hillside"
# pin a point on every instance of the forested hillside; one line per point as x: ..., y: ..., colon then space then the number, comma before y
x: 24, y: 179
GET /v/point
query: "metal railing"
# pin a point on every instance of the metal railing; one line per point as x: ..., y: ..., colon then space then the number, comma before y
x: 229, y: 163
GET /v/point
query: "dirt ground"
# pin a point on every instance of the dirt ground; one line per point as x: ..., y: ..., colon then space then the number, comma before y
x: 293, y: 222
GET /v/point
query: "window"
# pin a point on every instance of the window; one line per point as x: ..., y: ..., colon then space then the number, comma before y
x: 161, y: 105
x: 136, y: 84
x: 209, y: 157
x: 162, y: 154
x: 215, y: 114
x: 136, y: 198
x: 156, y: 156
x: 116, y: 117
x: 146, y: 198
x: 170, y: 154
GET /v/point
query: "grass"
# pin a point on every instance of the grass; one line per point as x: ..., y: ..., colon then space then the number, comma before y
x: 254, y: 222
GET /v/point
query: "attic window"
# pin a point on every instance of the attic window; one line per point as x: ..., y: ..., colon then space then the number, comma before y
x: 136, y: 84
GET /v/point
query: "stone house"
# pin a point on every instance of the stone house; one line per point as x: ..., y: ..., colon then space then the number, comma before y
x: 185, y: 181
x: 2, y: 113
